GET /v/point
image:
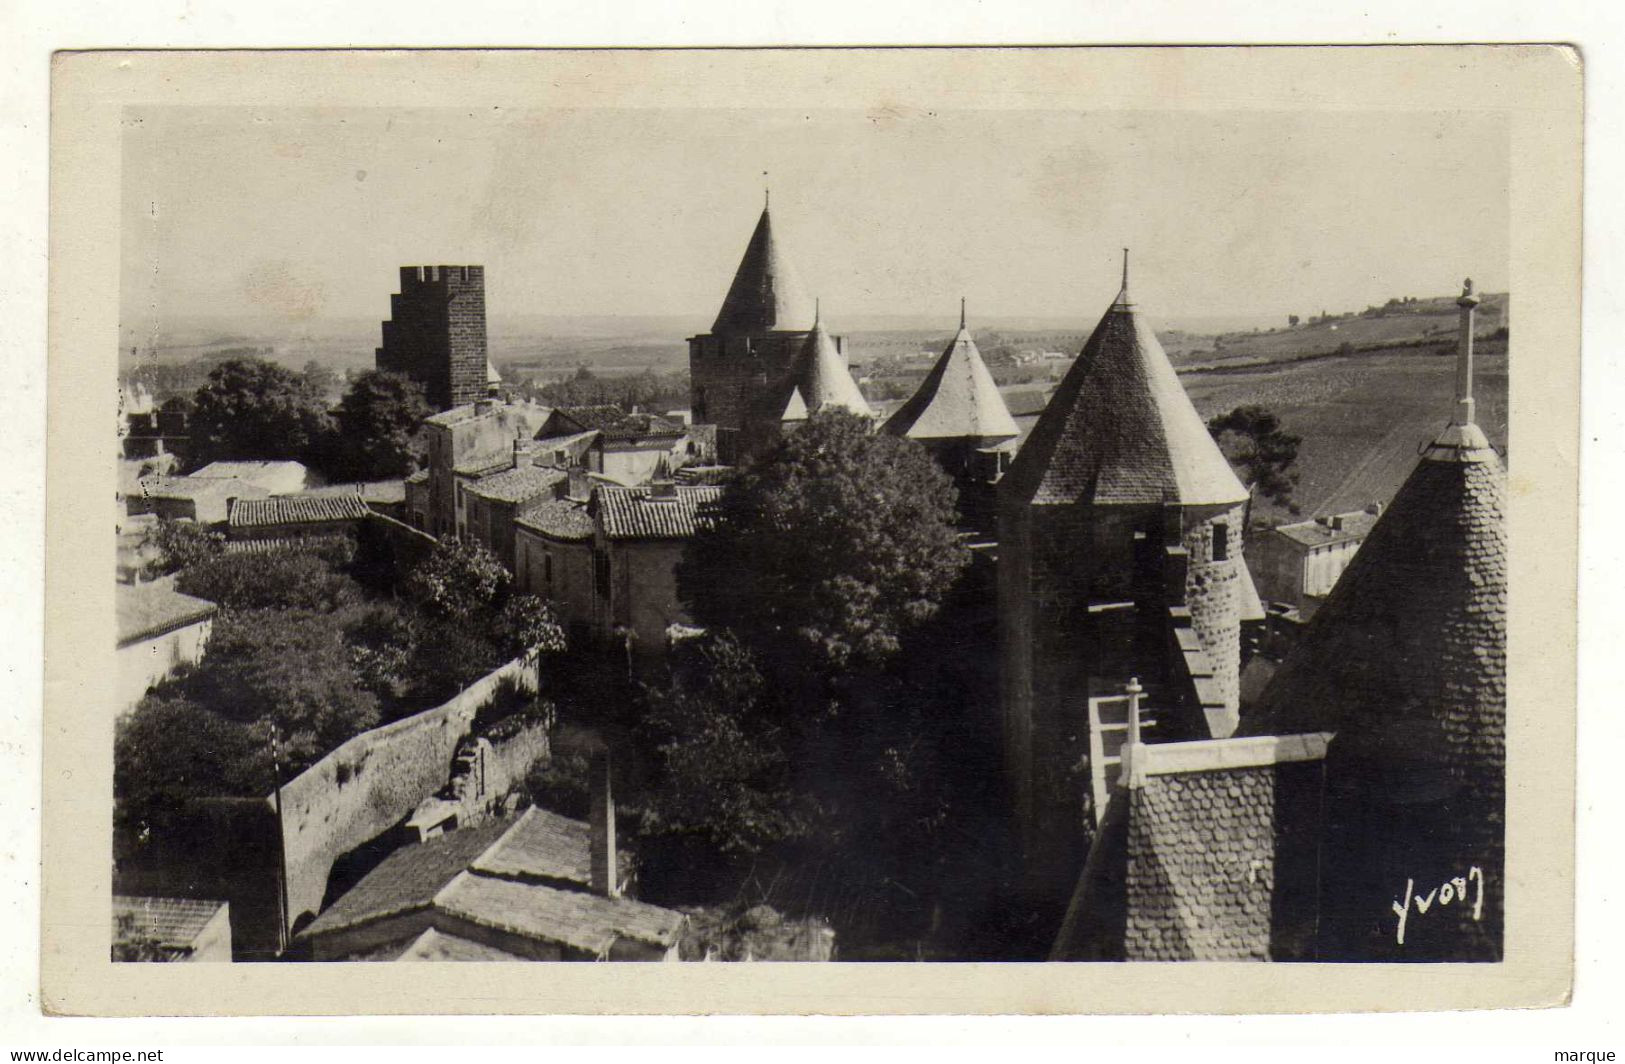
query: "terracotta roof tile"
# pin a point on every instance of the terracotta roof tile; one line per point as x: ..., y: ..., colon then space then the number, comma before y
x: 543, y: 845
x: 582, y: 921
x: 564, y: 519
x: 296, y: 509
x: 634, y: 513
x: 518, y: 485
x: 174, y: 922
x: 151, y: 609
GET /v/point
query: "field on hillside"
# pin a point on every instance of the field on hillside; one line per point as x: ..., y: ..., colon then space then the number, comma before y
x: 1363, y: 418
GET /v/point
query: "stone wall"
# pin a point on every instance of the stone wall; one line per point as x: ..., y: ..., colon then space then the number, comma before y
x: 1213, y: 593
x: 436, y: 332
x: 730, y: 379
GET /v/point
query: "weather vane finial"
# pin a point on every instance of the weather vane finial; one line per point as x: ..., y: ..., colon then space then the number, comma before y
x: 1467, y: 287
x: 818, y: 310
x: 961, y: 312
x: 767, y: 192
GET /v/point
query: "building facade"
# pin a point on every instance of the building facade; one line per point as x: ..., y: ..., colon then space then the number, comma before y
x: 435, y: 334
x: 1120, y: 556
x: 1297, y: 565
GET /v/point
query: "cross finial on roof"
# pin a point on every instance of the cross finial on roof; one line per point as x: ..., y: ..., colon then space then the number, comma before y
x: 767, y: 192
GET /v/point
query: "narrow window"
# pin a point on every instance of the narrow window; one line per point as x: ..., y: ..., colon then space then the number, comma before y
x: 1221, y: 542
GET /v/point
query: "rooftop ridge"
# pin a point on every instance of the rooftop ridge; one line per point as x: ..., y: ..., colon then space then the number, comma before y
x: 766, y: 294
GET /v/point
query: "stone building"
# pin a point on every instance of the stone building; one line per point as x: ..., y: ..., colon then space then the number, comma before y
x: 160, y: 630
x: 738, y: 369
x: 628, y: 449
x: 171, y: 929
x: 436, y: 334
x: 466, y: 443
x: 492, y: 504
x: 1406, y: 665
x: 959, y: 416
x: 293, y: 521
x: 1361, y: 815
x: 1119, y: 555
x: 206, y: 500
x: 1297, y: 565
x: 553, y: 558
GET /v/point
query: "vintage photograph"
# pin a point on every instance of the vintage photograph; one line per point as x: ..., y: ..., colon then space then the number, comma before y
x: 840, y: 534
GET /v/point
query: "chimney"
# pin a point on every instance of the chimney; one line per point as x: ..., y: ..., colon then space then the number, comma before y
x: 604, y: 860
x: 1375, y: 509
x: 1337, y: 522
x: 579, y: 487
x: 663, y: 489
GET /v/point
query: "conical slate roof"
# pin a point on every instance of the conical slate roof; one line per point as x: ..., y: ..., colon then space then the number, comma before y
x: 1120, y: 429
x: 822, y: 378
x: 958, y: 399
x: 766, y: 294
x: 1406, y: 661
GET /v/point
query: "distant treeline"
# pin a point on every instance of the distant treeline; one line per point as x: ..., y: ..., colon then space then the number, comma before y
x: 646, y: 391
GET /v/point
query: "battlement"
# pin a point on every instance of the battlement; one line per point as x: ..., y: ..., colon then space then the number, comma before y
x: 442, y: 276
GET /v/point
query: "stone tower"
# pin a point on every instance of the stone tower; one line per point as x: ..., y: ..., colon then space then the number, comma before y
x: 436, y: 333
x: 1120, y: 529
x: 737, y: 370
x: 1406, y: 665
x: 959, y: 416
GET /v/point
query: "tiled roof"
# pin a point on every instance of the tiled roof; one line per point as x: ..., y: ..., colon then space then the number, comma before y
x: 766, y: 294
x: 174, y: 922
x: 297, y: 509
x: 957, y: 399
x: 519, y: 484
x: 545, y: 846
x: 409, y: 878
x: 483, y: 408
x: 1409, y: 649
x: 563, y: 519
x: 420, y: 477
x: 435, y: 945
x: 147, y: 610
x: 250, y: 470
x: 371, y: 491
x: 613, y: 423
x: 197, y: 487
x: 587, y: 922
x: 1120, y: 429
x: 632, y: 513
x: 1355, y: 525
x: 822, y: 378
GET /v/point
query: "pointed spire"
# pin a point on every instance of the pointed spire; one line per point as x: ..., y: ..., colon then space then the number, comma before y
x: 818, y: 311
x: 1121, y: 430
x: 766, y: 295
x: 822, y: 377
x: 1122, y: 299
x: 1463, y: 440
x: 957, y: 400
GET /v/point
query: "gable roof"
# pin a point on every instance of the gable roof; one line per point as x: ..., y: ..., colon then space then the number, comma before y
x: 958, y: 399
x: 518, y: 484
x: 166, y: 487
x: 542, y: 846
x: 587, y: 922
x: 296, y: 509
x: 252, y: 470
x: 613, y: 423
x: 635, y: 513
x: 151, y: 609
x: 766, y: 294
x: 822, y: 378
x: 563, y: 519
x: 1120, y: 429
x: 409, y: 878
x: 174, y: 922
x: 1408, y: 654
x: 1320, y: 532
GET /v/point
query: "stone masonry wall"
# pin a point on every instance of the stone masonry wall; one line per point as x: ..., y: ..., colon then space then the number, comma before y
x: 1213, y: 593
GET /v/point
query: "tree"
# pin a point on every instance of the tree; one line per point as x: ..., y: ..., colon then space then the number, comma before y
x: 180, y: 545
x: 323, y: 380
x: 275, y: 580
x: 290, y: 668
x: 723, y: 769
x: 458, y: 580
x: 252, y: 409
x: 379, y: 423
x: 829, y: 548
x: 1252, y: 439
x: 172, y: 750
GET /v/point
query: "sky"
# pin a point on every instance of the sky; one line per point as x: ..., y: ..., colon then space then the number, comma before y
x: 307, y: 215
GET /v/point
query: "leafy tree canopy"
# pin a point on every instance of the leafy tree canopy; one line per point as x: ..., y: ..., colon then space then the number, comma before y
x: 379, y: 427
x: 1252, y: 439
x: 253, y: 409
x: 836, y: 543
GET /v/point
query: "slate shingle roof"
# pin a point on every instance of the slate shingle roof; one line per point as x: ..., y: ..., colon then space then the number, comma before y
x: 435, y: 945
x: 409, y: 878
x: 371, y: 491
x: 151, y: 609
x: 587, y: 922
x: 1408, y: 653
x: 766, y: 294
x: 957, y: 399
x: 1315, y: 534
x: 297, y: 509
x: 633, y: 513
x: 1120, y: 429
x: 613, y: 423
x: 543, y: 845
x: 822, y: 379
x: 563, y: 519
x: 519, y: 484
x: 174, y: 922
